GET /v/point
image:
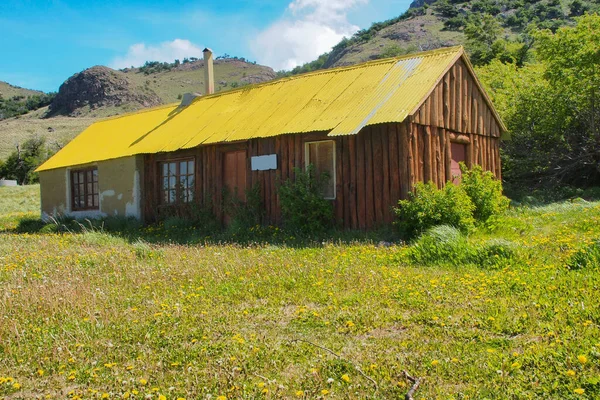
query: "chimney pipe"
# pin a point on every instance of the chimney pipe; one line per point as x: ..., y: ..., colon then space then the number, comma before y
x: 209, y: 77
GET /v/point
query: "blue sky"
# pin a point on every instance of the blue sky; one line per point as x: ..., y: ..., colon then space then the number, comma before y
x: 43, y: 42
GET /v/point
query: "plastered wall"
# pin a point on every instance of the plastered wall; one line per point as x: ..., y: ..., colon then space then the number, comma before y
x: 119, y: 185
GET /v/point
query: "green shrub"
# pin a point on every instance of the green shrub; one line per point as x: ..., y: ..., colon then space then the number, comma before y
x: 303, y: 208
x: 244, y: 214
x: 440, y: 245
x: 429, y: 206
x: 485, y: 192
x: 445, y: 244
x: 495, y: 254
x: 30, y: 225
x: 587, y: 257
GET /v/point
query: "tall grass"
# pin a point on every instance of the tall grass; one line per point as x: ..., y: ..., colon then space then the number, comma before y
x: 92, y: 314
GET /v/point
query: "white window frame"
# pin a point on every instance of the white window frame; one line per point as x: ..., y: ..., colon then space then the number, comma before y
x: 307, y: 162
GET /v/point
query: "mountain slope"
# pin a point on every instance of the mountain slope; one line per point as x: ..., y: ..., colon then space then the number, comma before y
x: 101, y: 92
x: 429, y: 24
x: 8, y: 91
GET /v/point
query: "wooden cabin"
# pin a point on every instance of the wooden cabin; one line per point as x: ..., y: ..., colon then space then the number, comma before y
x: 376, y: 128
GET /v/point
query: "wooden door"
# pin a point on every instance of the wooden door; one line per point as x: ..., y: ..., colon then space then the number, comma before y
x: 459, y: 154
x: 234, y: 176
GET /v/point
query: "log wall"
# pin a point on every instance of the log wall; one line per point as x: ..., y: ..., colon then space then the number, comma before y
x: 374, y: 168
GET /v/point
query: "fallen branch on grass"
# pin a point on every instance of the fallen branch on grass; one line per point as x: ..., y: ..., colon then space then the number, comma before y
x: 356, y: 367
x: 415, y: 385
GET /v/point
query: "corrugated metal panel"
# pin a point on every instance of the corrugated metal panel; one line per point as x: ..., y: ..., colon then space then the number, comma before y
x: 111, y: 138
x: 341, y: 101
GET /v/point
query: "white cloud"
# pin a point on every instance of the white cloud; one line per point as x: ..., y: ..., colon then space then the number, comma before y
x: 139, y: 53
x: 309, y: 29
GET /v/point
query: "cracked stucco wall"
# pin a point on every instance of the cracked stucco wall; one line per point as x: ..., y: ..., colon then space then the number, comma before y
x: 119, y: 184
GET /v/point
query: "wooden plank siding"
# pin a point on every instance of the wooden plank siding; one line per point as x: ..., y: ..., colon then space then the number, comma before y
x: 374, y: 168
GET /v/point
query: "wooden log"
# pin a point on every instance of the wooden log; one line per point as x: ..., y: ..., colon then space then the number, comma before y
x: 453, y: 99
x: 345, y: 160
x: 460, y: 138
x: 436, y: 157
x: 361, y: 180
x: 446, y: 91
x: 291, y: 142
x: 465, y: 98
x: 385, y: 147
x: 353, y: 182
x: 458, y: 98
x: 394, y: 163
x: 281, y: 149
x: 370, y: 185
x: 339, y: 182
x: 440, y: 105
x: 411, y: 165
x: 298, y: 152
x: 378, y: 190
x: 441, y: 162
x: 281, y: 152
x: 448, y: 153
x: 433, y: 117
x: 419, y: 133
x: 427, y: 159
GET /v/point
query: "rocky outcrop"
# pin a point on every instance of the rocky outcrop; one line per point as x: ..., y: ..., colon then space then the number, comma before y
x: 100, y: 87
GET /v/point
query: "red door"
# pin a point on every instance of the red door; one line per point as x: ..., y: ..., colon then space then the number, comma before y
x: 459, y: 154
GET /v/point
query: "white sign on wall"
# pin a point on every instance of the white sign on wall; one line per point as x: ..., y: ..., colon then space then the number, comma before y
x: 264, y: 163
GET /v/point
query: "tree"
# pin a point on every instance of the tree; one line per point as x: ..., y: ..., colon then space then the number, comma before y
x: 551, y: 108
x: 21, y: 164
x: 577, y: 8
x: 445, y: 9
x: 482, y: 34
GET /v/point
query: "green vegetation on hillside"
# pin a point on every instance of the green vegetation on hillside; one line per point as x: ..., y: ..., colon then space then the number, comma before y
x: 16, y: 101
x: 97, y: 315
x: 550, y: 108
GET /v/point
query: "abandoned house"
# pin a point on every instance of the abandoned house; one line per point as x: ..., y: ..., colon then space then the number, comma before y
x: 376, y: 129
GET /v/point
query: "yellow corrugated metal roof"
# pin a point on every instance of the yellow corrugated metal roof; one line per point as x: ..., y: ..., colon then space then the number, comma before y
x: 110, y: 138
x: 341, y: 101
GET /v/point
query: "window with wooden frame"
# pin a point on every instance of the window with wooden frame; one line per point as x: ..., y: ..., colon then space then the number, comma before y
x: 321, y: 154
x: 177, y: 181
x: 84, y: 189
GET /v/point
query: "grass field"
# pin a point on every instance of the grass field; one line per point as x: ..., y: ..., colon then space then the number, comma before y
x: 93, y: 315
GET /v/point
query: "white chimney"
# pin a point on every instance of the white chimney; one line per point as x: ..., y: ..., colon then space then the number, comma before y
x: 209, y: 77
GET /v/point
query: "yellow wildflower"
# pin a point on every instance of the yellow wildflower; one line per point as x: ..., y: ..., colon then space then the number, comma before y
x: 324, y: 392
x: 579, y: 391
x: 143, y: 381
x: 571, y: 372
x: 346, y: 378
x: 434, y: 363
x: 582, y: 359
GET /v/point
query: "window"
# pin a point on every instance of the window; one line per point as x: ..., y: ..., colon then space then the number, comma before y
x: 322, y: 156
x: 84, y: 189
x: 177, y: 181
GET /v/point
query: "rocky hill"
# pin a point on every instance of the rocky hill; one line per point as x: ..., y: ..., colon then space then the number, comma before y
x: 102, y: 91
x: 430, y: 24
